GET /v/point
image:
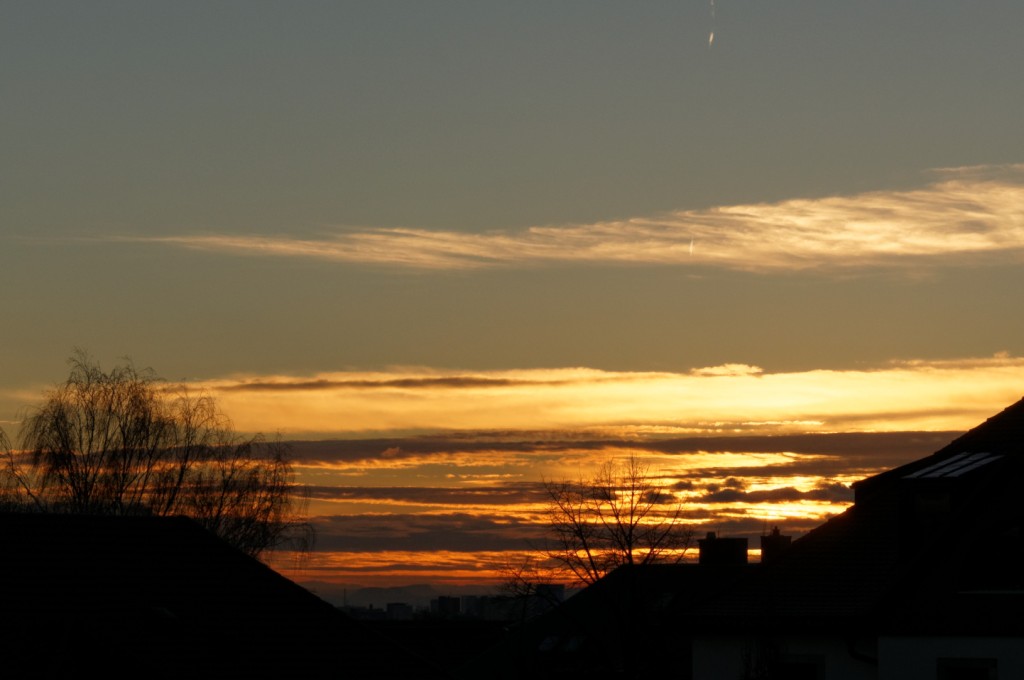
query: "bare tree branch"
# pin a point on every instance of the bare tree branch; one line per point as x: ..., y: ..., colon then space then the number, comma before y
x: 618, y: 517
x: 115, y: 443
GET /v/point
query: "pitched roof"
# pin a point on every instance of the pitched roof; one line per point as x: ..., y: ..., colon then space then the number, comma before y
x: 1000, y: 435
x: 1003, y: 432
x: 162, y: 597
x: 934, y: 545
x: 623, y: 622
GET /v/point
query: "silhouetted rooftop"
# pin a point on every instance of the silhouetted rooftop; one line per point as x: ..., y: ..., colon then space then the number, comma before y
x: 161, y: 597
x: 934, y: 547
x: 935, y: 544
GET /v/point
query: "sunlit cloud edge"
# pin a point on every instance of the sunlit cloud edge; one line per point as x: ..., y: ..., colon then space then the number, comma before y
x: 900, y: 395
x: 968, y: 215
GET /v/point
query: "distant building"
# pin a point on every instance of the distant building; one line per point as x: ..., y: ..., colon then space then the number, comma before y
x: 923, y: 577
x: 446, y: 606
x: 399, y: 611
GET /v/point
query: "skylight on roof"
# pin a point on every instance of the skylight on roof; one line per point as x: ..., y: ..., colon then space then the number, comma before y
x: 956, y: 466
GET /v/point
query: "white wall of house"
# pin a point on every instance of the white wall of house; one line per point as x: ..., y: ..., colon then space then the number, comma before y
x: 727, y: 658
x: 910, y: 658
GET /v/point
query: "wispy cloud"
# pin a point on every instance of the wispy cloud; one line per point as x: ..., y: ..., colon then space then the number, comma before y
x: 908, y: 395
x: 966, y: 215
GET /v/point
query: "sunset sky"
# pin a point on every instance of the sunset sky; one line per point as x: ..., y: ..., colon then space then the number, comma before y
x: 454, y: 249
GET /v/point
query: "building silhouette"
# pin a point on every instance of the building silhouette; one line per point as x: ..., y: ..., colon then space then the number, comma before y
x: 922, y: 577
x: 161, y: 597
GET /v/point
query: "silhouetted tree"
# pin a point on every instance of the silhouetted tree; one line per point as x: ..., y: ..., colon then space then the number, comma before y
x: 122, y: 443
x: 619, y: 517
x: 10, y: 490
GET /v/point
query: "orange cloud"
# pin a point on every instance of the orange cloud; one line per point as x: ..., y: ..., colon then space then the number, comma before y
x: 907, y: 395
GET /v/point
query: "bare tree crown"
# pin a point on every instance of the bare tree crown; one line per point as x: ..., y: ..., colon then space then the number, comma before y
x: 120, y: 442
x: 620, y: 516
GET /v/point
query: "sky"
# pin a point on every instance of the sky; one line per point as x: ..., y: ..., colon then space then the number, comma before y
x: 451, y: 246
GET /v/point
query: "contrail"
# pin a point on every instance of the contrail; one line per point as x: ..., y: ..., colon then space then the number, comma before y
x: 711, y: 35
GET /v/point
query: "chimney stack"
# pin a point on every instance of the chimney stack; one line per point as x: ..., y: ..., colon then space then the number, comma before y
x: 721, y: 552
x: 773, y: 544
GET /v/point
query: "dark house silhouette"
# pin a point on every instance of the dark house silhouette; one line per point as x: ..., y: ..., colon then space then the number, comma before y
x: 148, y: 597
x: 923, y: 577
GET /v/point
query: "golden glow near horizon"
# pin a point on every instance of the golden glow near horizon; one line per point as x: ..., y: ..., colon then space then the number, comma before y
x: 438, y: 475
x: 465, y: 483
x: 908, y: 395
x: 398, y: 567
x: 764, y: 257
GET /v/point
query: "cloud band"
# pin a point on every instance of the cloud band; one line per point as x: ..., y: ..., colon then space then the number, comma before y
x: 967, y: 214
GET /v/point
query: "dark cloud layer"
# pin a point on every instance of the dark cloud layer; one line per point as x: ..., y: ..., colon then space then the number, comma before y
x: 462, y: 532
x: 454, y: 382
x: 719, y: 498
x: 506, y: 494
x: 414, y: 532
x: 872, y: 449
x: 829, y: 493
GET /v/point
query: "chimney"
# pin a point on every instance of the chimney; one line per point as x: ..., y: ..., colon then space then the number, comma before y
x: 721, y: 552
x: 773, y: 544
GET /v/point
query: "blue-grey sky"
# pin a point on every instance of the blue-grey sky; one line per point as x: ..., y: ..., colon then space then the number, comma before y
x: 770, y: 247
x: 265, y: 188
